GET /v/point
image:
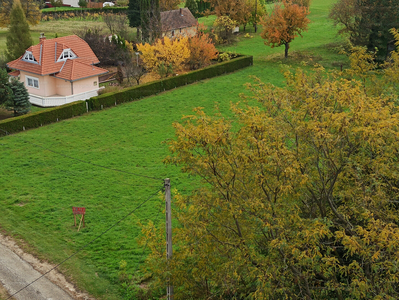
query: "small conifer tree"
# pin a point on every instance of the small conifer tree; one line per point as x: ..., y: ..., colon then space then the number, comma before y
x: 20, y: 103
x: 18, y: 37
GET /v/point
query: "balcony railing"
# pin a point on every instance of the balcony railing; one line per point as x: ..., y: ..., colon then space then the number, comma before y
x: 57, y: 100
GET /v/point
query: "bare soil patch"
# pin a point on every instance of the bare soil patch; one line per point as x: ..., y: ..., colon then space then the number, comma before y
x: 5, y: 114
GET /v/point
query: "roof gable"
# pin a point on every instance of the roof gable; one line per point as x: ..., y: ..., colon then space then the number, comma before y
x: 177, y: 19
x: 47, y: 53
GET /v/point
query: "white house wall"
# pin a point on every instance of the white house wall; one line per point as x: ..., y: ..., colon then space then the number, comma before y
x: 73, y: 3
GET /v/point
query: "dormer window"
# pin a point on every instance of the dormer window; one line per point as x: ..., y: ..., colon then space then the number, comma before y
x: 29, y: 57
x: 67, y: 54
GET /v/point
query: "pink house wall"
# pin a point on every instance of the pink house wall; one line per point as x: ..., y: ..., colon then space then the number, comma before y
x: 46, y: 84
x: 51, y: 86
x: 63, y: 87
x: 85, y: 85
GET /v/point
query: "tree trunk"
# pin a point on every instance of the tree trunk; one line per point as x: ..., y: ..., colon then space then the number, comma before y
x: 287, y: 46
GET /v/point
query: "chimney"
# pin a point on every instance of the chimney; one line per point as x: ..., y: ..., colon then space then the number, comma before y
x: 181, y: 13
x: 42, y: 37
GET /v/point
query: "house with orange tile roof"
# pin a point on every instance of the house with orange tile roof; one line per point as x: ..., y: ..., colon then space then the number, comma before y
x: 58, y: 71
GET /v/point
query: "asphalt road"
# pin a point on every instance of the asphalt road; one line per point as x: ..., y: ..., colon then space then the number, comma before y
x: 15, y: 273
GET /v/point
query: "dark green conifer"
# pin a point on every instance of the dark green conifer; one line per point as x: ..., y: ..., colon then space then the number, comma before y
x: 20, y: 103
x: 192, y: 5
x: 133, y: 13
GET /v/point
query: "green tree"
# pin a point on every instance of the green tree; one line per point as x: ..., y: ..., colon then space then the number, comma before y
x: 5, y: 89
x: 192, y: 5
x: 20, y: 101
x: 367, y: 22
x: 82, y: 3
x: 134, y: 14
x: 18, y: 36
x: 299, y: 197
x: 150, y: 16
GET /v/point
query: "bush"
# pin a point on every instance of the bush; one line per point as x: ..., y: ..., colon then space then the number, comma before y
x: 82, y: 3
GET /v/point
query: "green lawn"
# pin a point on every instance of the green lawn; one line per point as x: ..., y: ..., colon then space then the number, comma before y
x: 39, y: 186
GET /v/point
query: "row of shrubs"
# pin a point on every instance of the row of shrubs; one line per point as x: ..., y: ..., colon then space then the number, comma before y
x: 127, y: 95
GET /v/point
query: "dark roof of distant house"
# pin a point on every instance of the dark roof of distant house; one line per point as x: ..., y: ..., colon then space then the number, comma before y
x: 177, y: 19
x: 46, y: 55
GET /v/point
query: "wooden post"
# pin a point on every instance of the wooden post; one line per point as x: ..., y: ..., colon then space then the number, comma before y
x: 168, y: 212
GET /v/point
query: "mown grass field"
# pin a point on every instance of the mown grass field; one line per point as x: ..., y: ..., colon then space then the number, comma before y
x: 46, y: 171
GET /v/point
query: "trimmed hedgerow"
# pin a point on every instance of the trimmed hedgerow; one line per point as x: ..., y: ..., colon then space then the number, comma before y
x: 152, y: 88
x: 41, y: 118
x: 70, y: 110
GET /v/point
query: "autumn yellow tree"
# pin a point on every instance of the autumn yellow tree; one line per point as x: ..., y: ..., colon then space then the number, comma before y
x: 165, y: 52
x: 284, y: 24
x: 299, y: 197
x: 30, y: 8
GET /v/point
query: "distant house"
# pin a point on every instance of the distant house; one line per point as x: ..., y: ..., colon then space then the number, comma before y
x: 58, y: 71
x: 178, y: 22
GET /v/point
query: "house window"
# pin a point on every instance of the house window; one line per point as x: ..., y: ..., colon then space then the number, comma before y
x: 66, y: 54
x: 173, y: 33
x: 95, y: 83
x: 32, y: 82
x: 29, y: 57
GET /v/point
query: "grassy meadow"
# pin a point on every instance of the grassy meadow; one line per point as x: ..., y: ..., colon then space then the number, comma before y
x: 46, y: 171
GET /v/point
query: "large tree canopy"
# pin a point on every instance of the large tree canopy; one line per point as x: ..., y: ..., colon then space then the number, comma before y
x: 367, y: 22
x: 299, y: 197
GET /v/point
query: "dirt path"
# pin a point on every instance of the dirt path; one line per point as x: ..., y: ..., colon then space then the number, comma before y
x: 18, y: 268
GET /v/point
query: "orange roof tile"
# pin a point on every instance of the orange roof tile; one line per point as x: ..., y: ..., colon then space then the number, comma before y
x: 74, y: 70
x: 47, y: 53
x: 14, y: 74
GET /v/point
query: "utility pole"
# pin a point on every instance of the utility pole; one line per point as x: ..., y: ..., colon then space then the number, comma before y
x: 168, y: 212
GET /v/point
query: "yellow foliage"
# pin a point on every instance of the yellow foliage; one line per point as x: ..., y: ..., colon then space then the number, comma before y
x: 167, y: 51
x: 300, y: 193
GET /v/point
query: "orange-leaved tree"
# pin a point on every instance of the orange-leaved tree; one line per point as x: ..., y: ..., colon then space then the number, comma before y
x: 284, y: 24
x: 202, y: 51
x: 165, y: 53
